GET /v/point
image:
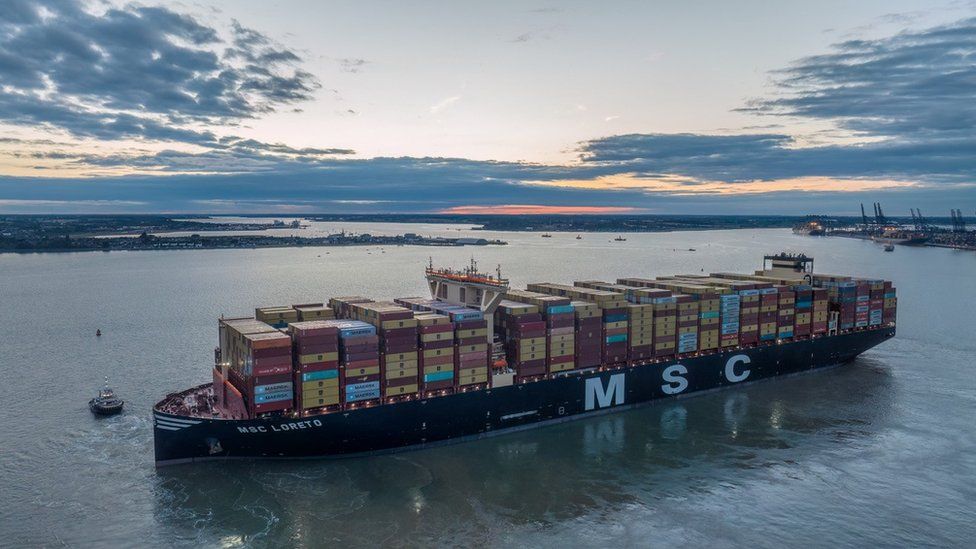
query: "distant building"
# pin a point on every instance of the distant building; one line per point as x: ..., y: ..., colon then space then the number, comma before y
x: 472, y: 241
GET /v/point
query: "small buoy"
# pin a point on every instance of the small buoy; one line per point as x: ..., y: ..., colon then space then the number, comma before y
x: 98, y: 333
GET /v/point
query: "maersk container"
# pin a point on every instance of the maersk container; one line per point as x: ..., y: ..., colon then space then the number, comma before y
x: 272, y: 388
x: 272, y: 397
x: 362, y: 391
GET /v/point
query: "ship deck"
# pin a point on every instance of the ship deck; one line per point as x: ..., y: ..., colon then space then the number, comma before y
x: 193, y: 402
x: 199, y: 402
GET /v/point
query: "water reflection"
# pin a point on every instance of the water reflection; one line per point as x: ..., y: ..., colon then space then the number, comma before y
x: 530, y: 478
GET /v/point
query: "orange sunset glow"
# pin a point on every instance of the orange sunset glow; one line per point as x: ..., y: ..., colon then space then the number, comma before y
x: 524, y: 209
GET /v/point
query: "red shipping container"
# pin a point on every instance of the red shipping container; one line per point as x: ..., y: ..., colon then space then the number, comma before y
x: 531, y: 370
x: 351, y: 378
x: 272, y: 406
x: 318, y: 366
x: 436, y: 360
x: 541, y: 362
x: 271, y: 352
x: 436, y: 329
x: 472, y: 341
x: 329, y: 339
x: 437, y: 385
x: 402, y: 347
x: 444, y: 344
x: 270, y: 370
x: 400, y: 381
x: 471, y: 324
x: 317, y: 349
x: 359, y: 349
x: 351, y: 358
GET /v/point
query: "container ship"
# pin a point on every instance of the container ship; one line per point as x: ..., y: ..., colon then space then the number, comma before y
x: 354, y: 376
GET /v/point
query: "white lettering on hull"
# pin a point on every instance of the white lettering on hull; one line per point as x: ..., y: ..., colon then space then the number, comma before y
x: 730, y: 373
x: 598, y: 396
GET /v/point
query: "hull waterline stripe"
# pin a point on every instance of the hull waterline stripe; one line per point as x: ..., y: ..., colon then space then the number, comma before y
x: 176, y: 421
x: 167, y: 427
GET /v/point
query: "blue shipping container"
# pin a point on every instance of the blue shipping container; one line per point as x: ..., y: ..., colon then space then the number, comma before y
x: 438, y: 376
x: 617, y: 338
x: 272, y: 388
x: 317, y: 376
x: 272, y: 397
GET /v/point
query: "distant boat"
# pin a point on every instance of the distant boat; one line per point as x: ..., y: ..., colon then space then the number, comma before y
x: 579, y: 237
x: 98, y: 333
x: 546, y: 235
x: 620, y: 239
x: 691, y: 249
x: 889, y: 247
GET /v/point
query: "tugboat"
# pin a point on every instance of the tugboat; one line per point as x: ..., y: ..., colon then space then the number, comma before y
x: 546, y: 235
x: 620, y: 239
x: 579, y: 237
x: 106, y: 403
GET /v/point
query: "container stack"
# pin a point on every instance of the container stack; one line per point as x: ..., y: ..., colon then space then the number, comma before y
x: 257, y: 359
x: 786, y: 312
x: 341, y: 305
x: 471, y: 343
x: 640, y: 321
x: 557, y: 312
x: 890, y: 303
x: 730, y: 310
x: 436, y: 352
x: 276, y: 317
x: 709, y: 323
x: 313, y: 311
x: 876, y: 311
x: 523, y: 331
x: 821, y: 311
x: 688, y: 312
x: 749, y: 319
x: 803, y: 321
x: 665, y: 326
x: 588, y: 333
x: 317, y: 376
x: 768, y: 317
x: 359, y: 358
x: 863, y: 310
x: 398, y: 341
x: 269, y: 386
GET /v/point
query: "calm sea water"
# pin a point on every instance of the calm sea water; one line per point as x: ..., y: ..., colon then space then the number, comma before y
x: 878, y: 453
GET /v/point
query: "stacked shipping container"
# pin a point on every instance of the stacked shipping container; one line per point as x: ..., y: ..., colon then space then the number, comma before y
x: 315, y: 352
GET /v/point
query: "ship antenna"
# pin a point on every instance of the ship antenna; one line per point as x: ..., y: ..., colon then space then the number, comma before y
x: 498, y: 271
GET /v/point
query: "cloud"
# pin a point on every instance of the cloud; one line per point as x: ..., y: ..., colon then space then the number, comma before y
x: 444, y: 104
x: 352, y: 64
x: 137, y: 72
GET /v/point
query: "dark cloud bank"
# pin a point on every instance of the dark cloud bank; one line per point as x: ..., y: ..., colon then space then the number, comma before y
x: 157, y: 75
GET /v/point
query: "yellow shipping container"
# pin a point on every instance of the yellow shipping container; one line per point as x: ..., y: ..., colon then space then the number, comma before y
x: 767, y: 327
x: 464, y: 334
x: 438, y: 368
x: 321, y: 357
x: 526, y: 356
x: 431, y: 319
x: 320, y: 383
x: 471, y: 380
x: 710, y: 321
x: 400, y: 390
x: 368, y: 371
x: 615, y: 325
x: 431, y: 353
x: 476, y: 348
x: 665, y: 332
x: 533, y: 341
x: 320, y: 393
x: 750, y: 327
x: 565, y: 338
x: 439, y: 336
x: 768, y: 309
x: 401, y: 373
x: 688, y: 330
x: 786, y: 312
x: 481, y: 370
x: 562, y: 366
x: 308, y: 404
x: 394, y: 324
x: 688, y: 318
x: 664, y: 346
x: 400, y: 357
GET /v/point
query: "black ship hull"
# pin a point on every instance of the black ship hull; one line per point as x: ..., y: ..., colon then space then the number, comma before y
x: 475, y: 414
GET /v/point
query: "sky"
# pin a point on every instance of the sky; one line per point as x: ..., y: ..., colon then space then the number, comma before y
x: 248, y: 106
